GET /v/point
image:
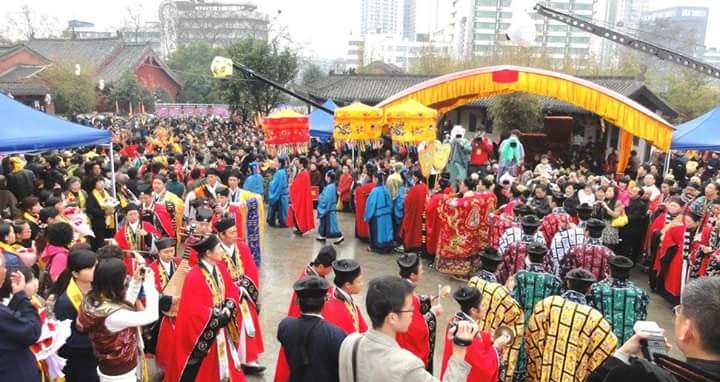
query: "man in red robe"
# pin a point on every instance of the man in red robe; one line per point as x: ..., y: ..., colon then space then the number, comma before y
x: 420, y: 336
x: 206, y: 326
x: 592, y: 255
x: 411, y: 230
x: 432, y: 214
x: 203, y: 227
x: 557, y: 220
x: 341, y: 309
x: 240, y: 265
x: 321, y: 267
x: 483, y: 355
x: 300, y: 213
x: 680, y: 243
x: 162, y: 336
x: 134, y: 235
x: 224, y: 209
x: 665, y: 215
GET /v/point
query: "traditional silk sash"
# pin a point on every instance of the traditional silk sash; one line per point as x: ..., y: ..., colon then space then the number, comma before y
x: 253, y: 229
x: 218, y: 294
x: 246, y: 287
x: 164, y: 277
x: 30, y: 217
x: 74, y: 294
x: 131, y: 237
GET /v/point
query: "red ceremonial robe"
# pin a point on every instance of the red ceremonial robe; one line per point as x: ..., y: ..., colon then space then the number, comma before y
x: 675, y: 237
x: 121, y: 238
x: 483, y: 360
x: 253, y: 345
x: 417, y: 339
x: 362, y: 229
x: 432, y: 221
x: 338, y: 311
x: 235, y: 211
x: 411, y: 229
x: 165, y: 342
x: 282, y: 370
x: 655, y: 226
x: 193, y: 317
x: 300, y: 213
x: 554, y: 223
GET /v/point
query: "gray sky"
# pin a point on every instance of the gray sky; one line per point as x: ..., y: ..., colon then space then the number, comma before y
x: 320, y: 25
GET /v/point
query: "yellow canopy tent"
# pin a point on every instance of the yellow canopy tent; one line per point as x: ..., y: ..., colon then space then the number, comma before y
x: 359, y: 124
x: 453, y: 90
x: 411, y: 123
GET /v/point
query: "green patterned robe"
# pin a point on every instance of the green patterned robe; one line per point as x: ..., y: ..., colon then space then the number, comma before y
x: 532, y: 285
x: 622, y: 303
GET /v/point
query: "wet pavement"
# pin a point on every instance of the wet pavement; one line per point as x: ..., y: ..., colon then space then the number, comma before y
x: 285, y: 256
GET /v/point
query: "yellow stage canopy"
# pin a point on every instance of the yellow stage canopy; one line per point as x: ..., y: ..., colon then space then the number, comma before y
x: 359, y: 124
x: 411, y: 122
x: 456, y: 89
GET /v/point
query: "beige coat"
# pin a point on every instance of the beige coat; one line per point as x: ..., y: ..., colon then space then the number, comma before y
x: 380, y: 358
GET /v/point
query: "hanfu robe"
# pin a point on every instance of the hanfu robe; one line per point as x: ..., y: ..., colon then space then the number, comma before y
x: 566, y: 341
x: 362, y: 229
x: 300, y: 213
x: 344, y: 313
x: 328, y: 225
x: 412, y: 230
x: 420, y: 336
x: 162, y: 339
x: 593, y: 256
x: 459, y: 245
x: 481, y: 355
x: 378, y: 215
x: 622, y: 303
x: 278, y: 197
x: 432, y: 221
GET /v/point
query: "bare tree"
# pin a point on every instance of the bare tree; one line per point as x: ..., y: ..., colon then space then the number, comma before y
x: 132, y: 22
x: 27, y: 23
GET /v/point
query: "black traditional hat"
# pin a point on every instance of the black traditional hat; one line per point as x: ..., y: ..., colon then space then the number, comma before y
x: 212, y: 171
x: 620, y: 267
x: 595, y: 227
x: 466, y: 295
x: 224, y: 224
x: 530, y: 224
x: 311, y: 286
x: 580, y: 279
x: 346, y: 270
x: 408, y: 261
x: 205, y: 244
x: 143, y: 188
x: 203, y: 215
x: 584, y: 211
x: 223, y: 191
x: 326, y: 256
x: 166, y: 242
x: 521, y: 210
x: 490, y: 254
x: 131, y: 207
x: 536, y: 252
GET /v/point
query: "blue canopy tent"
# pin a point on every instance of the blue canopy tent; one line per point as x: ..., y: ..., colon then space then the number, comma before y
x: 25, y: 129
x: 701, y: 133
x: 322, y: 123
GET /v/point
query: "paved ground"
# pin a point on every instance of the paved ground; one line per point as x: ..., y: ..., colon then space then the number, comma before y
x: 285, y: 255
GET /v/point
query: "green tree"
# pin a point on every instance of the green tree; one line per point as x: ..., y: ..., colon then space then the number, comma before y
x: 691, y: 93
x: 126, y: 91
x: 312, y: 73
x: 191, y: 63
x: 516, y: 111
x: 248, y: 95
x: 71, y: 94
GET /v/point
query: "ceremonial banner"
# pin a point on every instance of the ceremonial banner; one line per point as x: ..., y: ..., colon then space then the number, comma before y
x: 286, y: 132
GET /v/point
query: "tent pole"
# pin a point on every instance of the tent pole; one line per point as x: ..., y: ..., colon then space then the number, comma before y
x: 666, y: 167
x: 114, y: 178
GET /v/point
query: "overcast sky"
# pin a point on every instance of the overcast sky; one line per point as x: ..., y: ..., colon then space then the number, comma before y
x: 321, y: 25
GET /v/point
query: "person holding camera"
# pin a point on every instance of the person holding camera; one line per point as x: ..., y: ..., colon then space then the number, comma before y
x: 108, y: 316
x: 697, y: 334
x: 389, y: 304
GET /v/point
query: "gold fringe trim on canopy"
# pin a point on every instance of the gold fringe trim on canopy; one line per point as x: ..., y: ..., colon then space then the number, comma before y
x: 358, y: 124
x: 411, y: 123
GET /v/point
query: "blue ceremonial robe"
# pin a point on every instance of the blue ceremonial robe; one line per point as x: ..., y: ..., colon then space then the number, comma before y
x: 327, y: 213
x: 379, y: 215
x: 278, y: 197
x: 254, y: 183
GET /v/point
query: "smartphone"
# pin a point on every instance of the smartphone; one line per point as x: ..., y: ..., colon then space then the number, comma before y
x: 655, y: 343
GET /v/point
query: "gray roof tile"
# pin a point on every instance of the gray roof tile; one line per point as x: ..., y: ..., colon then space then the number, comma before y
x: 21, y: 72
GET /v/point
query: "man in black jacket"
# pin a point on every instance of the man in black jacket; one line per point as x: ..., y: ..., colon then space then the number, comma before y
x: 697, y: 332
x: 634, y: 232
x: 311, y: 343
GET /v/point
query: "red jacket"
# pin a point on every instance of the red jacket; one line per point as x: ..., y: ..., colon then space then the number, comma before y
x: 481, y: 149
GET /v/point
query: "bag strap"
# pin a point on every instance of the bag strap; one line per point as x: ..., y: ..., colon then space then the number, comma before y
x: 354, y: 358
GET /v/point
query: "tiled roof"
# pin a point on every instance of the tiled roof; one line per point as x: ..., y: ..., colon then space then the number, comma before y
x: 372, y: 89
x: 126, y: 58
x: 7, y: 49
x: 21, y: 72
x: 23, y: 88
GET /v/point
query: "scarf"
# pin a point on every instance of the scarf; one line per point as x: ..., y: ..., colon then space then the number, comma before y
x: 101, y: 198
x: 30, y: 217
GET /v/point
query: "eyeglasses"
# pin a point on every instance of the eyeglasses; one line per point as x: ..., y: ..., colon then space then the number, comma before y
x: 676, y: 310
x: 405, y: 311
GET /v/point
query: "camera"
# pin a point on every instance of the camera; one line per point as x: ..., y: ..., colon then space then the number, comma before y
x: 655, y: 343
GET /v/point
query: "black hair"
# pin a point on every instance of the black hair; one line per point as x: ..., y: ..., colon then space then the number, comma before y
x: 77, y: 260
x: 342, y: 278
x: 59, y: 234
x: 465, y: 306
x: 469, y: 183
x: 28, y: 202
x: 110, y: 252
x: 700, y: 303
x: 303, y: 161
x: 311, y: 304
x: 5, y: 229
x: 406, y: 272
x: 108, y: 282
x: 386, y: 295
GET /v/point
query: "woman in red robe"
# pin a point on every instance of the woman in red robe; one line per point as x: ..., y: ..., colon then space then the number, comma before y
x: 208, y: 304
x: 411, y: 230
x: 300, y: 214
x: 362, y: 229
x: 345, y: 189
x: 164, y: 330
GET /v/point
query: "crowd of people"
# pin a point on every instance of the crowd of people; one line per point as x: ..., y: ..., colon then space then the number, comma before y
x: 144, y: 262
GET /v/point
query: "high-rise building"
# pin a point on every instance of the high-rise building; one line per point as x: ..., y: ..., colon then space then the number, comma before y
x: 398, y: 51
x: 477, y: 28
x: 149, y: 33
x: 381, y: 17
x: 409, y: 19
x: 83, y: 30
x: 681, y: 29
x: 214, y: 22
x: 623, y: 16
